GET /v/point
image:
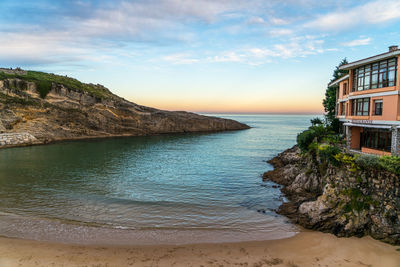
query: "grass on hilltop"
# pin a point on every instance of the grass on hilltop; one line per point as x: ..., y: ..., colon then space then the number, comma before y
x: 44, y: 82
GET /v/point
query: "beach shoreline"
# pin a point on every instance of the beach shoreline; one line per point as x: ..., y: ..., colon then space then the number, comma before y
x: 308, y: 248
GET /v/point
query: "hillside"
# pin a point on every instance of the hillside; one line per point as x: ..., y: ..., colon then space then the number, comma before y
x: 52, y: 107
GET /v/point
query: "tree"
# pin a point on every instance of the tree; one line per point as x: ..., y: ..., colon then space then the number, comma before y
x: 330, y: 98
x: 337, y: 73
x: 316, y: 121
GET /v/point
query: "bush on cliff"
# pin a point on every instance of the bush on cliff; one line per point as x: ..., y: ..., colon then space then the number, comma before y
x: 368, y: 162
x: 314, y: 133
x: 44, y: 82
x: 327, y: 153
x: 390, y: 163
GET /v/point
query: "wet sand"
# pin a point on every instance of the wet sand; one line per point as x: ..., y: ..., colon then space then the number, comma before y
x: 305, y: 249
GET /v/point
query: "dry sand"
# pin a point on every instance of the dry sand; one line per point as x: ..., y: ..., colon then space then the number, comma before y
x: 305, y: 249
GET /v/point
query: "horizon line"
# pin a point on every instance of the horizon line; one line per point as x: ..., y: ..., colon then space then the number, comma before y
x: 260, y: 113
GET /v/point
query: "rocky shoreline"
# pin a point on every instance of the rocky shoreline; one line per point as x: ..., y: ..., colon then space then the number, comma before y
x: 337, y: 199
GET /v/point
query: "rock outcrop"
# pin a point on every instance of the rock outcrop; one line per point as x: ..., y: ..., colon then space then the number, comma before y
x: 16, y: 139
x: 65, y: 113
x: 338, y: 199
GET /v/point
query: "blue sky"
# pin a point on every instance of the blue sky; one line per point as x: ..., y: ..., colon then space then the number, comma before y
x: 199, y: 55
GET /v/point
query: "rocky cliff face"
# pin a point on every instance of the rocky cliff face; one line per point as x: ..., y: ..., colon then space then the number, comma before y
x: 70, y: 114
x: 340, y: 200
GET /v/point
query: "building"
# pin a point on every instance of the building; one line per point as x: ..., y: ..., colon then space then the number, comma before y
x: 368, y: 103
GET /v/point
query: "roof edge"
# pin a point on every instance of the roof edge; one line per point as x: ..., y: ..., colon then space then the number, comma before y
x: 339, y: 80
x: 367, y: 60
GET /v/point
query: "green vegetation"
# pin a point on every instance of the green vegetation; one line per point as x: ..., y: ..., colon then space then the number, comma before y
x: 317, y: 133
x: 313, y: 134
x: 321, y: 142
x: 370, y: 162
x: 358, y: 201
x: 390, y: 163
x: 316, y: 121
x: 330, y: 98
x: 44, y: 83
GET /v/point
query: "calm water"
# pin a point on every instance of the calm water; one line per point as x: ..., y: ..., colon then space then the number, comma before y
x: 163, y: 189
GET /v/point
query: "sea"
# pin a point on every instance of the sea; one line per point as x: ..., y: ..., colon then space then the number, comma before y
x: 164, y: 189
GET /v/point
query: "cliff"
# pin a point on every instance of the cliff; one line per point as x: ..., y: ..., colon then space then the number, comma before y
x: 341, y: 198
x: 51, y: 107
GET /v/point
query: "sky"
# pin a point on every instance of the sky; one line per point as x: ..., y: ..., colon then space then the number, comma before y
x: 237, y: 56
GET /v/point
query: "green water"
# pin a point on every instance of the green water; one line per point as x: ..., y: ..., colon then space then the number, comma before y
x: 163, y: 189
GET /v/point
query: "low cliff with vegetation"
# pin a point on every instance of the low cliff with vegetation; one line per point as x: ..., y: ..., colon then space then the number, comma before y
x: 333, y: 191
x: 52, y: 107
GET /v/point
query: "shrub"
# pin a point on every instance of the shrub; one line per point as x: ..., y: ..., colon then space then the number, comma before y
x: 305, y: 138
x: 328, y: 153
x: 390, y: 163
x: 334, y: 126
x: 43, y: 87
x: 347, y: 160
x: 367, y: 161
x: 333, y: 139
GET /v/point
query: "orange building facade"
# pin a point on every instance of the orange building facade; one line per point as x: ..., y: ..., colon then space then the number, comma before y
x: 368, y: 103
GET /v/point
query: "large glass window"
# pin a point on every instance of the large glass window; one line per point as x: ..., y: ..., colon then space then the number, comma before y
x: 360, y: 107
x: 376, y: 75
x: 377, y: 139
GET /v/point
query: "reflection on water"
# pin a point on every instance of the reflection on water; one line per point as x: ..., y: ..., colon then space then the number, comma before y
x: 192, y: 183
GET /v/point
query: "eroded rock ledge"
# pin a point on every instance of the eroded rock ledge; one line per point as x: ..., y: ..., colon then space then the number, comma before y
x: 338, y: 200
x: 65, y: 114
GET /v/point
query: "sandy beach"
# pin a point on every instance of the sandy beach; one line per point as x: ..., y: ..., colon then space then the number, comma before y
x: 305, y: 249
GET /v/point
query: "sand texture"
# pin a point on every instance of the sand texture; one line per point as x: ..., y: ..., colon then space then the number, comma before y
x: 305, y: 249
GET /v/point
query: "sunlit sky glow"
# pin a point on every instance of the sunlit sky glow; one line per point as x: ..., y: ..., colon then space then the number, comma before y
x: 199, y: 55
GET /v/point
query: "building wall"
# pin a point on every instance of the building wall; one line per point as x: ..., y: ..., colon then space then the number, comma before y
x: 391, y: 104
x: 355, y: 137
x: 398, y: 108
x: 398, y: 74
x: 390, y: 108
x: 375, y: 151
x: 373, y: 91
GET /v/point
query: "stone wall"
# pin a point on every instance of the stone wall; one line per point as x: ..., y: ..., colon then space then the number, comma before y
x: 13, y: 139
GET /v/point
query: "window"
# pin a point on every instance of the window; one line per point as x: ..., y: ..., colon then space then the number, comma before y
x: 360, y: 107
x: 342, y: 108
x: 376, y: 138
x: 378, y: 105
x: 354, y: 83
x: 376, y: 75
x: 345, y: 89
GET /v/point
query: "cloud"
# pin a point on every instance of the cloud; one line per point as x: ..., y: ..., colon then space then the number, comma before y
x: 371, y: 13
x: 256, y: 20
x: 280, y: 32
x: 296, y: 47
x: 278, y: 21
x: 229, y: 56
x: 75, y: 30
x: 358, y: 42
x: 180, y: 59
